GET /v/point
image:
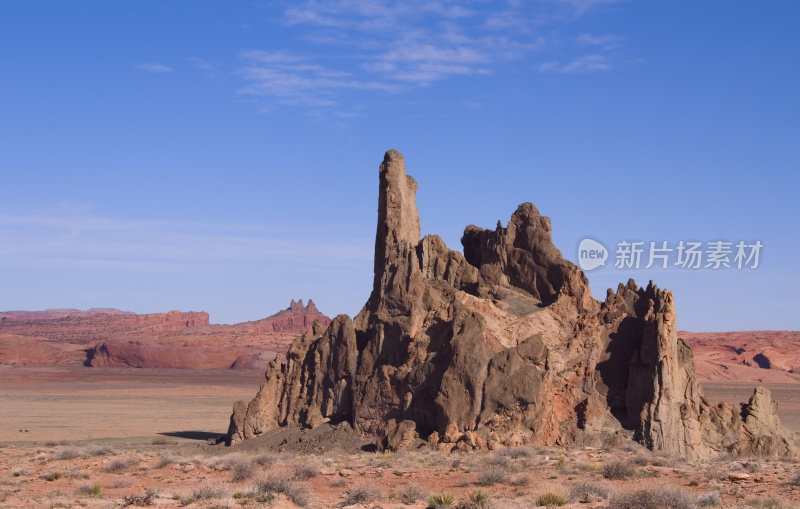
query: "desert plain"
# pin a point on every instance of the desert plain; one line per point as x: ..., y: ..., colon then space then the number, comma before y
x: 114, y: 437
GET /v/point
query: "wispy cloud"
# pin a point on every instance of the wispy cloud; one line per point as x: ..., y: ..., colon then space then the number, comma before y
x: 392, y: 46
x: 80, y: 240
x: 154, y: 68
x: 583, y: 64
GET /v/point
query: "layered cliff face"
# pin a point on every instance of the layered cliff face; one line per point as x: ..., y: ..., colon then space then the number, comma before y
x: 181, y: 340
x: 503, y: 345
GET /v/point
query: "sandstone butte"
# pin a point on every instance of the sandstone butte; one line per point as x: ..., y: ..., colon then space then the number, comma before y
x: 501, y: 346
x: 186, y: 340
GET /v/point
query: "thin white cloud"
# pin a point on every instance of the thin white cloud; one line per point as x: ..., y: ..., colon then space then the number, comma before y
x: 84, y: 240
x: 154, y: 68
x: 582, y: 64
x: 390, y: 46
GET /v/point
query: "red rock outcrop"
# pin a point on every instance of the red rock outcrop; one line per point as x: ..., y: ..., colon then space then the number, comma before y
x: 503, y: 345
x: 182, y: 340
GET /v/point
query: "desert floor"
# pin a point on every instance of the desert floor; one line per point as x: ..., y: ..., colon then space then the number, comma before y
x: 117, y: 437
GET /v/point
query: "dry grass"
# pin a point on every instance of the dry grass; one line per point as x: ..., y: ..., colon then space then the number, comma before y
x: 275, y: 483
x: 120, y: 465
x: 653, y: 498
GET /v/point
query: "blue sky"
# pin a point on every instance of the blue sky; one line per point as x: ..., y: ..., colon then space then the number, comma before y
x: 222, y: 156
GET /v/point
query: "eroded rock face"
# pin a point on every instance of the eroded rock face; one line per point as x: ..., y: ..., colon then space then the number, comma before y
x: 501, y: 346
x: 182, y: 340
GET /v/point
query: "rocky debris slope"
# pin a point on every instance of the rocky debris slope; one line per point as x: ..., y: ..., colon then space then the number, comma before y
x: 176, y: 339
x: 746, y: 356
x: 501, y: 346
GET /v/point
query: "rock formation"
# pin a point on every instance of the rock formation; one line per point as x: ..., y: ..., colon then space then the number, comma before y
x: 183, y: 340
x: 503, y: 345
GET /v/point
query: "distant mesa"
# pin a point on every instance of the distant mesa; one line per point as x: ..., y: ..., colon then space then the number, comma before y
x: 501, y: 346
x: 182, y: 340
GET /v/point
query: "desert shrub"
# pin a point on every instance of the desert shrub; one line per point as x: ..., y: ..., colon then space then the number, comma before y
x: 516, y: 452
x: 90, y: 490
x: 304, y: 472
x: 617, y: 470
x: 242, y: 469
x: 339, y: 483
x: 641, y: 461
x: 766, y: 503
x: 441, y: 501
x: 147, y: 498
x: 68, y: 453
x: 19, y: 472
x: 586, y: 492
x: 710, y: 499
x: 751, y: 466
x: 286, y: 485
x: 520, y: 481
x: 118, y: 465
x: 52, y: 476
x: 208, y: 492
x: 359, y: 495
x: 480, y: 500
x: 411, y: 493
x: 264, y: 459
x: 164, y: 459
x: 492, y: 475
x: 497, y: 461
x: 120, y: 482
x: 550, y: 499
x: 795, y: 481
x: 99, y: 450
x: 649, y: 498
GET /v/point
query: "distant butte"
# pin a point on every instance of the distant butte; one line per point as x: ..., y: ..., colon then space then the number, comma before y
x: 185, y: 340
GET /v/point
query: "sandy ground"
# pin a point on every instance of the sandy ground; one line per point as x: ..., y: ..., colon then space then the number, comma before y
x: 76, y: 403
x: 122, y: 437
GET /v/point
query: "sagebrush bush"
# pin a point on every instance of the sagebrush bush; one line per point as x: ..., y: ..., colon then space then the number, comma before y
x: 99, y: 450
x: 304, y: 472
x: 710, y: 499
x: 653, y: 498
x: 411, y: 493
x: 118, y: 465
x: 283, y: 484
x: 90, y: 490
x: 242, y: 469
x: 516, y: 452
x: 586, y: 492
x: 359, y: 495
x: 68, y: 453
x: 617, y: 470
x: 493, y: 474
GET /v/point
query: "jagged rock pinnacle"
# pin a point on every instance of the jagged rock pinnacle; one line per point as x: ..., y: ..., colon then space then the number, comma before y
x: 398, y: 218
